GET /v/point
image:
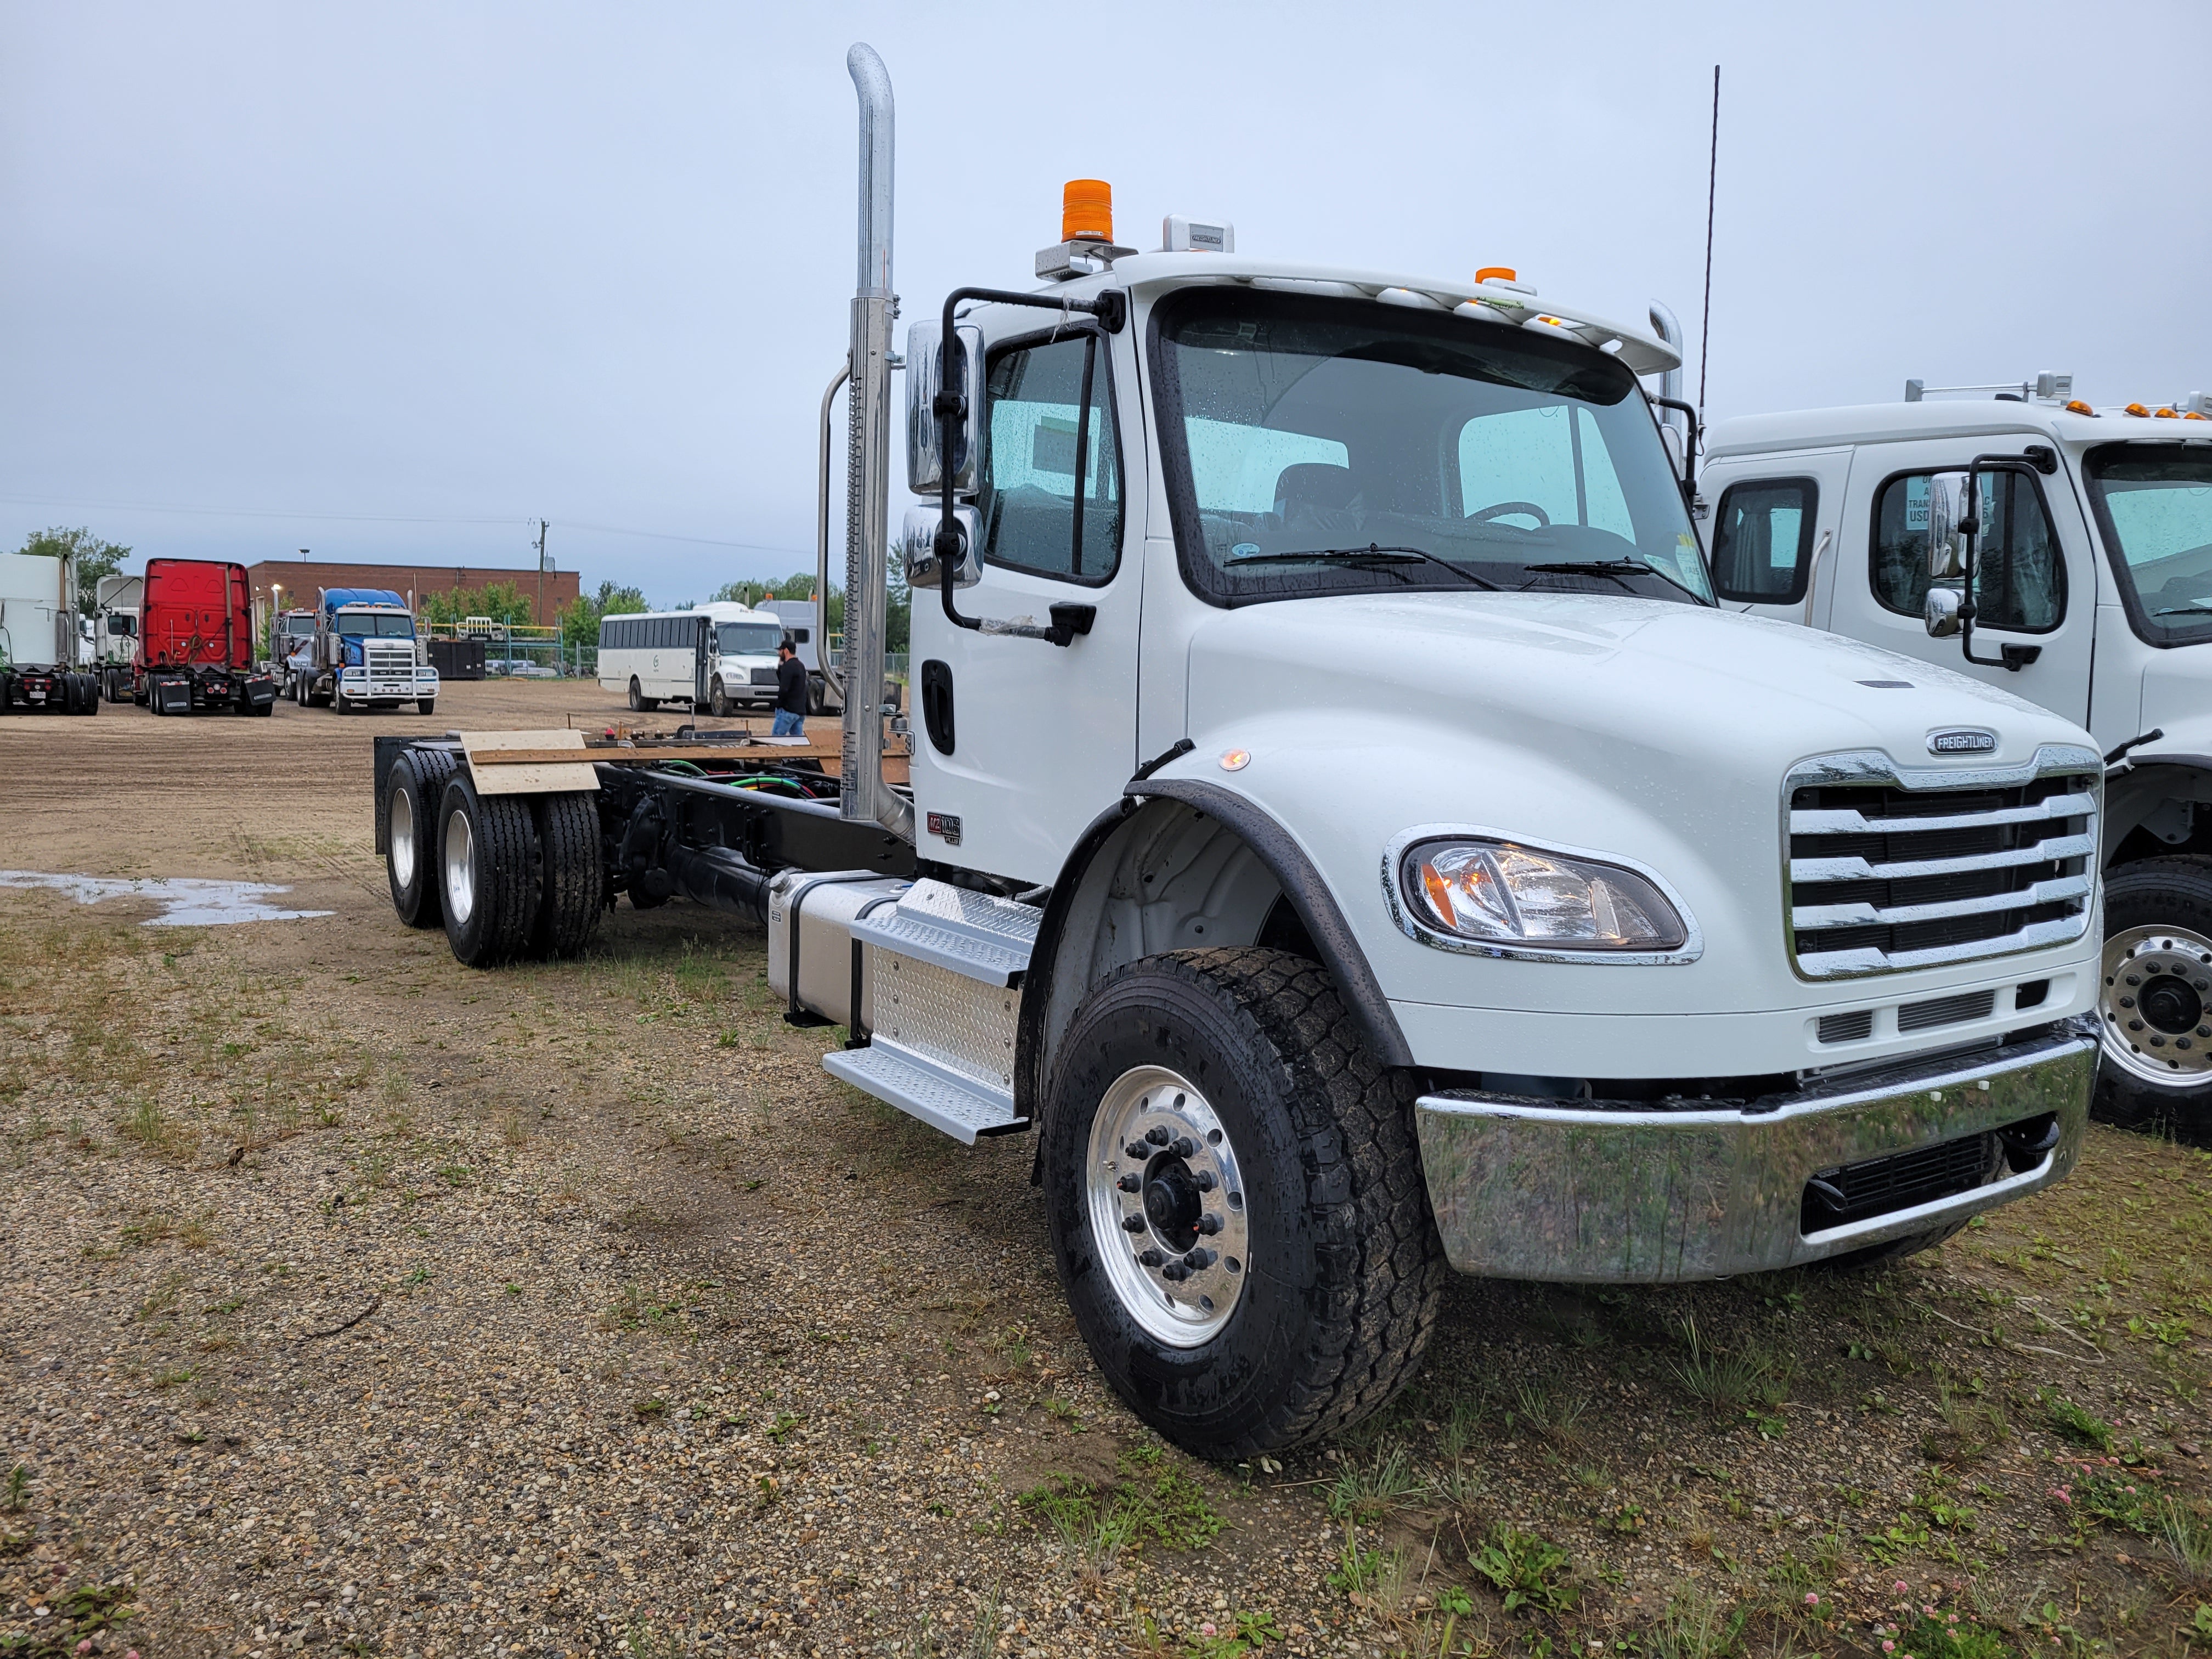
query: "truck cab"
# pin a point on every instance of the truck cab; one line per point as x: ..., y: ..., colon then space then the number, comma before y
x: 1589, y: 932
x: 364, y: 655
x: 2055, y: 552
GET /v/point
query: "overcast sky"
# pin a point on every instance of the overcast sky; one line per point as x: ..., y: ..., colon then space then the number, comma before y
x: 393, y: 282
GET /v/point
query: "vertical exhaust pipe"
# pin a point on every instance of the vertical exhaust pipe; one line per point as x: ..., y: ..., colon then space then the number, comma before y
x: 1670, y: 382
x: 867, y: 797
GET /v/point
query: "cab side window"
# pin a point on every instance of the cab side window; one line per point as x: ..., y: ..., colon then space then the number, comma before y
x: 1763, y: 540
x: 2020, y: 575
x: 1051, y: 495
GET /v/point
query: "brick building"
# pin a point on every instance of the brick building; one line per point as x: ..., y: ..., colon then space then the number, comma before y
x: 303, y: 580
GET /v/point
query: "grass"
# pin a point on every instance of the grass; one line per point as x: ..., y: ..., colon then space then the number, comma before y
x: 1370, y: 1489
x: 15, y: 1490
x: 1148, y: 1502
x: 2073, y: 1422
x: 1527, y: 1571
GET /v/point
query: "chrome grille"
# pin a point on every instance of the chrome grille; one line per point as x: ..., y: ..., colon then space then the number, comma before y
x: 388, y: 659
x: 1892, y: 869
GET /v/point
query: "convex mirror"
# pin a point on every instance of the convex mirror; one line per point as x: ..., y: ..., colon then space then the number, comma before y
x: 918, y: 545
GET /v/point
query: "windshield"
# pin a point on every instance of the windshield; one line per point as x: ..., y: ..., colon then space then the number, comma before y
x: 2153, y: 502
x: 1395, y: 448
x: 749, y: 639
x: 376, y: 621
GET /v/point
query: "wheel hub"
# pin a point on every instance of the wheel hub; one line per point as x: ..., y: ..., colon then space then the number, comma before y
x: 2152, y: 1004
x: 402, y: 837
x: 460, y: 868
x: 1167, y: 1206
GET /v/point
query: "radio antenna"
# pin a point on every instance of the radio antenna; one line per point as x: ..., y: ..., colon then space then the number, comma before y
x: 1712, y: 183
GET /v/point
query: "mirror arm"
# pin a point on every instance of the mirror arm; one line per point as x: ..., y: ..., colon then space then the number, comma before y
x: 2038, y: 458
x: 1689, y: 440
x: 1112, y: 311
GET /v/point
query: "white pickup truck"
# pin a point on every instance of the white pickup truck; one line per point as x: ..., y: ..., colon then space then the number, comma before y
x: 1589, y: 930
x: 2087, y: 533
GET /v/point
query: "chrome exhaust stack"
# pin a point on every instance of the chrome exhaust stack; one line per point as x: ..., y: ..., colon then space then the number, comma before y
x: 866, y: 796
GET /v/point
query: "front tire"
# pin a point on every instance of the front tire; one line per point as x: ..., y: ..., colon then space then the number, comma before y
x: 1283, y: 1277
x: 2154, y: 998
x: 718, y: 704
x: 488, y: 864
x: 410, y: 861
x: 426, y: 705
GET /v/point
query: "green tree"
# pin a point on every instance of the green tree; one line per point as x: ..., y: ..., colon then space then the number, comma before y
x: 580, y: 623
x: 94, y: 558
x: 503, y: 602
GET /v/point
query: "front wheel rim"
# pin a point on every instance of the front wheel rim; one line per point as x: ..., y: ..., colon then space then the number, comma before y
x: 460, y: 866
x: 2154, y: 1006
x: 1169, y: 1218
x: 401, y: 836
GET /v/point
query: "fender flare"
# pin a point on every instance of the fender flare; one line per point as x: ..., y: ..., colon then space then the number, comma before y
x: 2120, y: 823
x: 1310, y: 896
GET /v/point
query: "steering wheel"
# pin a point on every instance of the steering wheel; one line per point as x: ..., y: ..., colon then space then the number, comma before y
x: 1505, y: 509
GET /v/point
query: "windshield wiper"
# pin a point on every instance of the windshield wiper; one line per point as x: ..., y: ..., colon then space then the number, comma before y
x: 1373, y: 553
x: 1615, y: 570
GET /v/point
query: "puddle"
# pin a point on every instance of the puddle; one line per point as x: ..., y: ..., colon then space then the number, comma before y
x: 186, y: 901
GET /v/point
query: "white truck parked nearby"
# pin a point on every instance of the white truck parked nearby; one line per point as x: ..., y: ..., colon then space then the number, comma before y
x: 1581, y: 942
x: 43, y: 646
x: 2056, y: 550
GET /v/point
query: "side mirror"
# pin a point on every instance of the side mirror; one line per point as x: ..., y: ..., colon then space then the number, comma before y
x: 1940, y: 611
x: 918, y: 546
x: 1670, y: 439
x: 1946, y: 505
x: 931, y: 369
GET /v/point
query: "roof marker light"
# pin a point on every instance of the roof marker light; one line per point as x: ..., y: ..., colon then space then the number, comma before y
x: 1498, y: 274
x: 2077, y: 407
x: 2164, y: 415
x: 2136, y: 409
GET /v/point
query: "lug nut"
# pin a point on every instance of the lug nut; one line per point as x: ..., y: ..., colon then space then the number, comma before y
x: 2127, y: 1002
x: 1151, y: 1259
x: 1184, y: 1147
x: 1200, y: 1257
x: 1203, y: 1179
x: 1133, y: 1224
x: 1158, y: 1136
x: 2134, y: 1025
x: 1209, y: 1224
x: 1136, y: 1149
x: 1131, y: 1183
x: 1175, y: 1273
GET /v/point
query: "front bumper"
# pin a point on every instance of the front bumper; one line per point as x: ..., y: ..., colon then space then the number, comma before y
x: 359, y: 682
x: 1539, y: 1189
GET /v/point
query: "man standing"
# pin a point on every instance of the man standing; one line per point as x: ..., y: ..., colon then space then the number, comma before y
x: 790, y: 693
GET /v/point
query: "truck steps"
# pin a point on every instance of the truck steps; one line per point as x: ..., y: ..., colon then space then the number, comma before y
x: 943, y: 970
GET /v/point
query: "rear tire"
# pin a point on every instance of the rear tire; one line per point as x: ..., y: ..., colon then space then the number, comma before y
x: 2158, y: 924
x: 417, y: 784
x: 1307, y: 1140
x: 636, y: 695
x: 88, y: 695
x: 488, y: 863
x: 572, y: 894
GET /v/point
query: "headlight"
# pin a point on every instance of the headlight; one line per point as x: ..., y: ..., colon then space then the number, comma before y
x: 1495, y: 890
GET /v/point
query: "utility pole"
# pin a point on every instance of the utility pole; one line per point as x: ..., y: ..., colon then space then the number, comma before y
x: 540, y: 616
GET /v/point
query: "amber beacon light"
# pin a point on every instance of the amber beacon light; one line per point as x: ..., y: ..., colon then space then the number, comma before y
x: 1086, y: 210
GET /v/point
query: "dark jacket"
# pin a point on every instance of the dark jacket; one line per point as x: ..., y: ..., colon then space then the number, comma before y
x: 790, y: 685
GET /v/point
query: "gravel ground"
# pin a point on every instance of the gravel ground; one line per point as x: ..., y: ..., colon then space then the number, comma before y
x: 354, y: 1301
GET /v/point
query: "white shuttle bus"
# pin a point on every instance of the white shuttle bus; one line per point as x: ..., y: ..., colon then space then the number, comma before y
x: 716, y: 657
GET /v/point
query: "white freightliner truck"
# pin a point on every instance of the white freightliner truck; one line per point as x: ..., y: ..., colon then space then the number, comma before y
x: 1580, y: 941
x: 2088, y: 533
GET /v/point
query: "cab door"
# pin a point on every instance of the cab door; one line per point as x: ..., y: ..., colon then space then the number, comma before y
x: 1019, y: 743
x: 1773, y: 536
x: 2035, y: 585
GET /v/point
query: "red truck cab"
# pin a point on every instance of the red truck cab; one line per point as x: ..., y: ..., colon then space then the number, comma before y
x: 195, y: 640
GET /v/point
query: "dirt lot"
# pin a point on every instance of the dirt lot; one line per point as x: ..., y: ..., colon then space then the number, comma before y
x: 354, y: 1301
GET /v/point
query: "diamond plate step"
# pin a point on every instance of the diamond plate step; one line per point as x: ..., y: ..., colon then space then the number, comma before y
x: 945, y: 1099
x: 974, y: 935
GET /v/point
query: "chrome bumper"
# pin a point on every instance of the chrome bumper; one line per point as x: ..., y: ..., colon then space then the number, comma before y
x: 1537, y: 1190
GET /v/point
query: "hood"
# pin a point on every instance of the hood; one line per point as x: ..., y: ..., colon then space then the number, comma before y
x: 1590, y: 677
x: 1651, y: 733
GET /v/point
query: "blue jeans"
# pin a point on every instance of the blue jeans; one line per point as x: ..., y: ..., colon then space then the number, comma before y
x: 788, y: 724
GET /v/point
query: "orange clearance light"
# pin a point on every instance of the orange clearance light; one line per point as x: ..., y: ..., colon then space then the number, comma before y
x: 2077, y: 407
x: 2193, y: 415
x: 2134, y: 408
x: 1496, y: 273
x: 1086, y: 210
x: 2164, y: 415
x: 1237, y: 760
